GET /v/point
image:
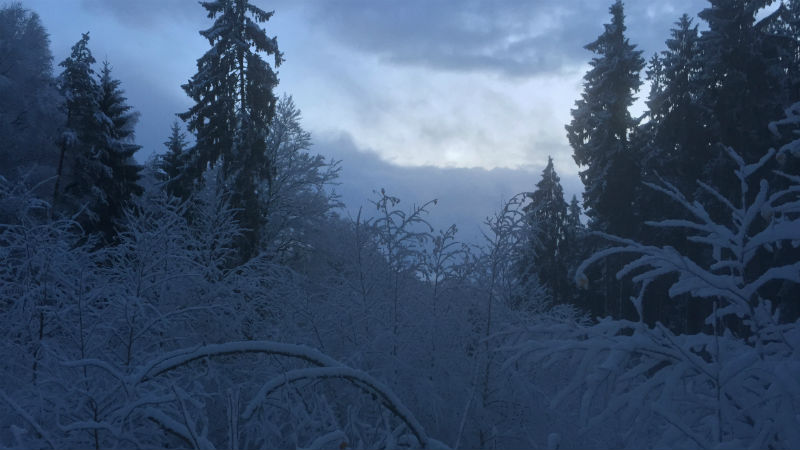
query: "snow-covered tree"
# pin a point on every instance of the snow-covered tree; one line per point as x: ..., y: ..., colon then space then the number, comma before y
x: 172, y: 165
x: 97, y: 173
x: 601, y: 126
x: 400, y: 236
x: 576, y: 248
x: 30, y: 116
x: 741, y: 83
x: 546, y: 216
x: 115, y: 150
x: 600, y: 136
x: 502, y: 297
x: 296, y: 197
x: 677, y: 138
x: 76, y: 162
x: 234, y: 105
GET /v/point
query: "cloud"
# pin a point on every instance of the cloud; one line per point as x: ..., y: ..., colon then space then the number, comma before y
x: 147, y: 14
x: 414, y: 116
x: 513, y: 38
x: 144, y: 13
x: 466, y: 196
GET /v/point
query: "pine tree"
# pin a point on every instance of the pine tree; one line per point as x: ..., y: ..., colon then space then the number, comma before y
x: 172, y: 166
x: 234, y: 104
x: 546, y: 215
x: 601, y: 126
x: 115, y: 150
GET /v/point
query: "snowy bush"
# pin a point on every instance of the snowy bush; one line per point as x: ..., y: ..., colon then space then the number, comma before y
x: 96, y: 336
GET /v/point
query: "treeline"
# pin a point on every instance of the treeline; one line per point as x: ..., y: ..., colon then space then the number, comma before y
x: 725, y: 87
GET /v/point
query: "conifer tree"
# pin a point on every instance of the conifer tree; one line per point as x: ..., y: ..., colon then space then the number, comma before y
x: 677, y: 138
x: 546, y: 214
x: 96, y: 165
x: 740, y: 85
x: 600, y: 135
x: 575, y: 249
x: 79, y: 88
x: 601, y: 126
x: 572, y: 222
x: 172, y: 166
x: 234, y: 104
x: 115, y: 150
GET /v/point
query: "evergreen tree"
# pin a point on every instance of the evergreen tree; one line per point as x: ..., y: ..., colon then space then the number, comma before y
x: 600, y: 135
x: 96, y: 165
x: 781, y: 36
x: 76, y: 164
x: 677, y: 137
x: 172, y: 166
x: 573, y: 222
x: 676, y: 147
x: 740, y: 86
x: 115, y: 150
x: 234, y: 104
x: 575, y: 249
x: 601, y: 125
x: 546, y: 214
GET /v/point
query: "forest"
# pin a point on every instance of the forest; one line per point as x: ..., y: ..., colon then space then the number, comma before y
x: 215, y: 295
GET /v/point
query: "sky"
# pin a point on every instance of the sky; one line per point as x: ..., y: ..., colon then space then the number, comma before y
x: 462, y: 101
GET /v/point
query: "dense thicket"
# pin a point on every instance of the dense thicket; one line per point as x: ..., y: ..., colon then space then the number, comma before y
x: 213, y: 297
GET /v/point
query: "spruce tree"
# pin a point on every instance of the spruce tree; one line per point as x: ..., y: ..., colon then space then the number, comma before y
x: 676, y: 147
x: 115, y: 150
x: 678, y: 140
x: 96, y: 166
x: 78, y: 86
x: 172, y: 165
x: 546, y: 214
x: 572, y: 222
x: 600, y: 135
x: 601, y: 126
x: 740, y: 85
x: 234, y: 104
x: 575, y: 249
